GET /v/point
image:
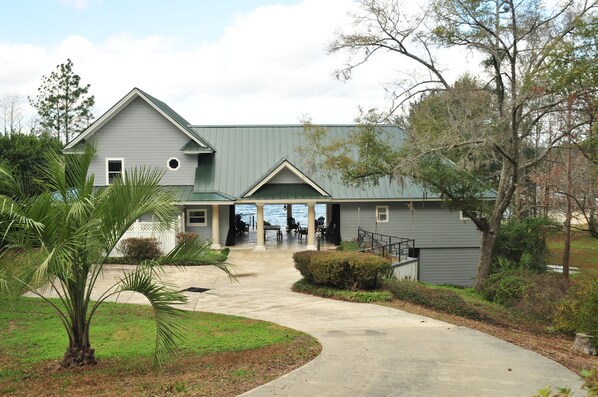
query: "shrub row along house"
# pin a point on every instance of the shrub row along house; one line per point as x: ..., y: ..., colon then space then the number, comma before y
x: 215, y: 167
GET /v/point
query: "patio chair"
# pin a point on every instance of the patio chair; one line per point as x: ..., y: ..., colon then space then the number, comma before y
x: 240, y: 226
x: 291, y: 225
x: 301, y: 231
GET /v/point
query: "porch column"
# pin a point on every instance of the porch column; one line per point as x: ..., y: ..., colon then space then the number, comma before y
x: 289, y: 210
x: 327, y: 214
x: 215, y: 226
x: 260, y: 246
x: 311, y: 226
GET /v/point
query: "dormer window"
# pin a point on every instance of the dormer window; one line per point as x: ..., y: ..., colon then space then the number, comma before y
x: 114, y: 169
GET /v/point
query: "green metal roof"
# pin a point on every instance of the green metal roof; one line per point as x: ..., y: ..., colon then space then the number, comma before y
x: 286, y: 191
x: 194, y: 147
x: 271, y: 170
x: 186, y: 194
x: 177, y: 118
x: 244, y: 154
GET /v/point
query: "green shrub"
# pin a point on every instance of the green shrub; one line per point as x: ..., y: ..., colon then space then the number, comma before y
x: 302, y: 260
x: 532, y: 294
x: 542, y: 296
x: 527, y: 236
x: 186, y: 236
x: 440, y: 299
x: 345, y: 270
x: 578, y: 311
x: 137, y: 249
x: 341, y: 294
x: 349, y: 246
x: 506, y: 287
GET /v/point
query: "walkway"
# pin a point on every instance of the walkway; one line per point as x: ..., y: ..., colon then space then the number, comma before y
x: 368, y: 350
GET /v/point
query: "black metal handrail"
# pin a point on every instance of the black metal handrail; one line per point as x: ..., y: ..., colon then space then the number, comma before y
x: 401, y: 248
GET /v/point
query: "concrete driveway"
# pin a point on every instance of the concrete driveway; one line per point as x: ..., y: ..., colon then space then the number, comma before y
x: 368, y: 350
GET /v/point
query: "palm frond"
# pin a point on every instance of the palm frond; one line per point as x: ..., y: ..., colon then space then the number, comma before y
x: 194, y: 252
x: 65, y: 233
x: 12, y: 210
x: 4, y: 284
x: 125, y: 201
x: 162, y: 297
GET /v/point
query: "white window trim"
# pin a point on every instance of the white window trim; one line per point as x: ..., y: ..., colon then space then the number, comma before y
x: 109, y: 159
x: 387, y: 212
x: 168, y: 164
x: 188, y: 217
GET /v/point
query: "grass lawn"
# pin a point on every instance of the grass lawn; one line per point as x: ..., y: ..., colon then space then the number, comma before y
x: 584, y: 252
x: 219, y: 355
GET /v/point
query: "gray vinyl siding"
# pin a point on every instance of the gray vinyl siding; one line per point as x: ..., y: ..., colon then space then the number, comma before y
x: 144, y: 138
x: 455, y: 266
x: 205, y: 232
x: 449, y: 246
x: 428, y: 223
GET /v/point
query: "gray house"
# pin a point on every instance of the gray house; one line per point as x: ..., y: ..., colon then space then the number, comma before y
x: 215, y: 167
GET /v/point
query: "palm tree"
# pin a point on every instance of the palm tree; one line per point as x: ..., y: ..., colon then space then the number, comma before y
x: 67, y: 233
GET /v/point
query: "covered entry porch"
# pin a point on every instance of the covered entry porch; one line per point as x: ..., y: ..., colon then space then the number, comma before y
x: 294, y: 225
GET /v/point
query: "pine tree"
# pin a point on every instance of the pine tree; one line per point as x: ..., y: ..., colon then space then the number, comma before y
x: 63, y: 104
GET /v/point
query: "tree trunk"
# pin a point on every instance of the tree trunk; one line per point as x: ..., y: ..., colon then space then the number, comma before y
x: 567, y: 248
x: 584, y: 344
x: 518, y: 202
x: 79, y: 351
x: 78, y: 356
x: 567, y: 244
x: 484, y: 263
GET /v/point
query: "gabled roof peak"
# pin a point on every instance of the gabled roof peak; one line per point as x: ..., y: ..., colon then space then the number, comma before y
x: 283, y: 164
x: 176, y: 119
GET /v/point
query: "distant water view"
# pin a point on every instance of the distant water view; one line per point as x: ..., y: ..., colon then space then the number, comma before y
x: 276, y: 214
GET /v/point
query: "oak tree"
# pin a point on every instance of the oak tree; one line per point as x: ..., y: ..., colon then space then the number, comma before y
x: 485, y: 122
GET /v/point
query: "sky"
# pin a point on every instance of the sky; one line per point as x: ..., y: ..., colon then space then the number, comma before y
x: 214, y: 62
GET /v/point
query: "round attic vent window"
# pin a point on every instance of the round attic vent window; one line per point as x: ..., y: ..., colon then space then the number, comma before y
x: 173, y: 164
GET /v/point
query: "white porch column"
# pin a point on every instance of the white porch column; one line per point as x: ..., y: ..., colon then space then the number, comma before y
x: 311, y: 226
x: 260, y: 245
x: 215, y: 226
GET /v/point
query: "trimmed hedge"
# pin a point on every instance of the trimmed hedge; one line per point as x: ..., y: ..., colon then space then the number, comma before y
x: 344, y: 270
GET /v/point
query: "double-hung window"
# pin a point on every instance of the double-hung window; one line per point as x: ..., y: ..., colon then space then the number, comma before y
x: 196, y: 217
x: 382, y: 213
x: 115, y: 168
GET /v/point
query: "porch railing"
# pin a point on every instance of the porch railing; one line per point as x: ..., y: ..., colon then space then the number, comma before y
x: 400, y: 249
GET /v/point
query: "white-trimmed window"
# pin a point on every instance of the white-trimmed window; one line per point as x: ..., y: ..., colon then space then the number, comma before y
x: 197, y: 217
x: 382, y: 213
x: 173, y: 164
x: 115, y: 168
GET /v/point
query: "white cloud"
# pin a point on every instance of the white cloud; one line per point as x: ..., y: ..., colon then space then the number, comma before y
x: 269, y: 66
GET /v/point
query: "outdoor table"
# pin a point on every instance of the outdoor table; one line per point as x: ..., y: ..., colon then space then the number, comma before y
x: 272, y: 227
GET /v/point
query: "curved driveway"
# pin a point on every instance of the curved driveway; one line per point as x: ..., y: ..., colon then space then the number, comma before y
x: 368, y: 350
